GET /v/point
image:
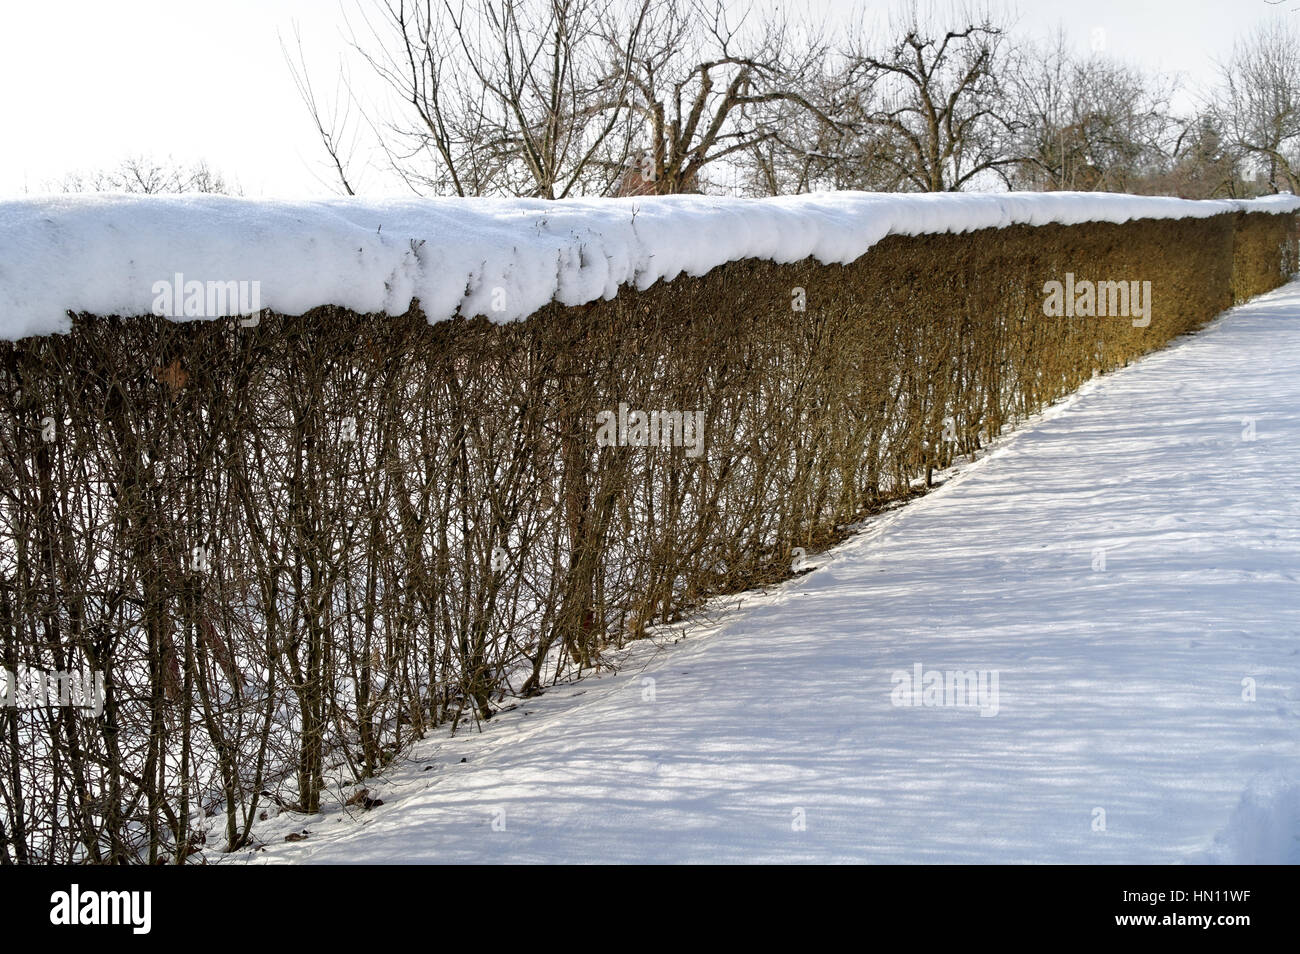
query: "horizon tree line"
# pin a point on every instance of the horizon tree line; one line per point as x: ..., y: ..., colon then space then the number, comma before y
x: 556, y: 99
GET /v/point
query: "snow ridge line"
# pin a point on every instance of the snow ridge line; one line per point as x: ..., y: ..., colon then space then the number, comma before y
x: 501, y: 258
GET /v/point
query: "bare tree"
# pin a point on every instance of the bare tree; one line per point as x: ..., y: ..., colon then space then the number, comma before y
x: 1258, y: 102
x: 708, y: 89
x: 1203, y: 164
x: 1090, y: 124
x: 807, y: 154
x: 148, y: 176
x: 333, y: 119
x: 488, y: 97
x: 554, y: 98
x: 938, y: 97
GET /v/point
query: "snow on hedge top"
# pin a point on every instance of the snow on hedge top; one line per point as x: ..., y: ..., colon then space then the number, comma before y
x: 504, y: 258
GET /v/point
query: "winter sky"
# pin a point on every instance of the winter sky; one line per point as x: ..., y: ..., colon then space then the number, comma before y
x: 89, y: 83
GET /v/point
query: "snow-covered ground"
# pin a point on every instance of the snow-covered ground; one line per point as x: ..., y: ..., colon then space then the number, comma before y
x: 1127, y: 564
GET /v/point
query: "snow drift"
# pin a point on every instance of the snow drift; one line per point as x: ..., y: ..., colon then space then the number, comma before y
x: 1265, y: 826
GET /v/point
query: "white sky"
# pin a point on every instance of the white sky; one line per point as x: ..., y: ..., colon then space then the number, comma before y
x: 89, y: 82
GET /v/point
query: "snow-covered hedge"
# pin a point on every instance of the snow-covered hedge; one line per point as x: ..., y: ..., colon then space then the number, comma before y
x: 291, y: 544
x: 104, y: 254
